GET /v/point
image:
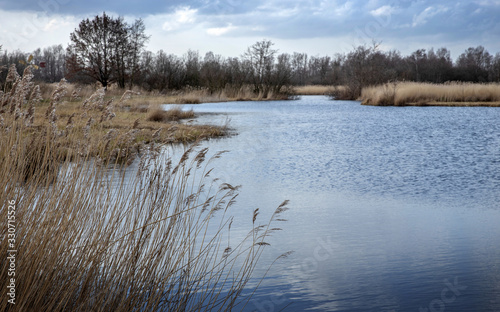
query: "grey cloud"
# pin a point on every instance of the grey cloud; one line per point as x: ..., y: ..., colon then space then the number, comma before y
x: 390, y: 20
x: 77, y: 7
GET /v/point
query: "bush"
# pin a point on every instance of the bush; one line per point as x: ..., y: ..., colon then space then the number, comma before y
x: 173, y: 114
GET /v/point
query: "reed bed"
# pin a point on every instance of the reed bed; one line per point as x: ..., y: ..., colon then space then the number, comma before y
x: 341, y: 93
x: 313, y: 90
x: 91, y: 236
x: 425, y: 94
x: 103, y: 123
x: 143, y: 99
x: 229, y: 93
x: 158, y: 114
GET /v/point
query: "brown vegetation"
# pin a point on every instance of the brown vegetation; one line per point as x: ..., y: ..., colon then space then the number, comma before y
x: 243, y: 93
x: 260, y: 70
x: 108, y: 121
x: 313, y: 90
x: 90, y: 236
x: 173, y: 114
x: 341, y: 93
x: 427, y: 94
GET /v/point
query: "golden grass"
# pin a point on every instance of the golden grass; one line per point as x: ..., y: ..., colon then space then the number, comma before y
x: 173, y: 114
x: 229, y: 93
x: 90, y: 236
x: 313, y: 90
x: 342, y: 93
x: 427, y: 94
x: 117, y: 125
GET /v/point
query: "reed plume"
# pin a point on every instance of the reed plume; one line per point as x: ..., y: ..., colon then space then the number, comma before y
x: 93, y: 234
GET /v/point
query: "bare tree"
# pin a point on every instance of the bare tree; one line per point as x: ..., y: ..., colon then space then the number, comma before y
x: 474, y: 64
x: 299, y: 64
x: 259, y: 59
x: 106, y: 49
x: 167, y: 72
x: 417, y: 59
x: 320, y: 70
x: 282, y: 74
x: 193, y: 65
x: 495, y: 68
x: 53, y: 59
x: 212, y: 72
x: 137, y: 41
x: 355, y: 69
x: 235, y: 75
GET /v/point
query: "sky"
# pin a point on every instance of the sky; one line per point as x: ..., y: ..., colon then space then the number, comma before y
x: 228, y: 27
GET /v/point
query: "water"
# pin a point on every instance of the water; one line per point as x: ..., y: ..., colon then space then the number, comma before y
x: 392, y: 208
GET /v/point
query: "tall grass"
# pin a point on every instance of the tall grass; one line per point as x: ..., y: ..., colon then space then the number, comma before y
x: 314, y: 90
x: 103, y: 124
x: 412, y: 93
x: 342, y: 93
x: 142, y: 98
x: 91, y: 236
x: 172, y: 114
x: 229, y: 93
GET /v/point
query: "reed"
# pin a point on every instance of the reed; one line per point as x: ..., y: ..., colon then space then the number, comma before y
x: 92, y: 236
x: 158, y: 114
x: 426, y: 94
x: 229, y: 93
x: 341, y: 93
x: 313, y: 90
x: 104, y: 125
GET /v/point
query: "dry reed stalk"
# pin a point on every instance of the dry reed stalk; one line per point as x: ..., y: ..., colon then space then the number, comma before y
x: 341, y: 93
x: 412, y: 93
x: 91, y: 236
x: 313, y: 90
x: 175, y: 113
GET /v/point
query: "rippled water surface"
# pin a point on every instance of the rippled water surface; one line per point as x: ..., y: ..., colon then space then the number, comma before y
x: 392, y: 208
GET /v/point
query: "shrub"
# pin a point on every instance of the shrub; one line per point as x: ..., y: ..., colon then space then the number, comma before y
x: 172, y: 114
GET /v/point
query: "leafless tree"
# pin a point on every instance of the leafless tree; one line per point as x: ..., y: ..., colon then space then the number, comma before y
x: 212, y: 73
x: 495, y: 68
x: 106, y: 49
x: 474, y: 64
x: 259, y: 60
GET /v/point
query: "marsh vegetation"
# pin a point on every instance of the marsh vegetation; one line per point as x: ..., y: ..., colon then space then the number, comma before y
x: 428, y: 94
x: 94, y: 233
x: 261, y: 72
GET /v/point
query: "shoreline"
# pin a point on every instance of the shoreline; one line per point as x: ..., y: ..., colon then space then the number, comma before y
x: 453, y: 94
x: 443, y: 104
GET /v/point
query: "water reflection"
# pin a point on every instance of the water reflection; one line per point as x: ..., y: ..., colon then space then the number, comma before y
x: 390, y: 206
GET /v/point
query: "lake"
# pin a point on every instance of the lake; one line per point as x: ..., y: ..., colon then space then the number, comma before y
x: 391, y: 208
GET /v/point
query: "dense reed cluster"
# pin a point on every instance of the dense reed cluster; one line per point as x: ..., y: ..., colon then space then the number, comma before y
x: 412, y: 93
x: 94, y: 235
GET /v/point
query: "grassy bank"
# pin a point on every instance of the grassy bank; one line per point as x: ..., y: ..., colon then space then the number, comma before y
x: 143, y: 98
x: 90, y: 236
x: 427, y: 94
x: 112, y: 123
x: 197, y: 96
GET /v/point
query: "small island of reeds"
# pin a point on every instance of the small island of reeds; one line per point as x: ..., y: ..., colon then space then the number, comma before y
x: 429, y: 94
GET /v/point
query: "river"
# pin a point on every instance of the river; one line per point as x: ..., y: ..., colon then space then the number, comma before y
x: 392, y: 208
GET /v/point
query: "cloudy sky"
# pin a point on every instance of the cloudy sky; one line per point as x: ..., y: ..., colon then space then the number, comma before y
x: 228, y: 27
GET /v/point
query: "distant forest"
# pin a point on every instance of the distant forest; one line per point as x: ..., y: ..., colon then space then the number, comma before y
x: 109, y: 50
x: 363, y: 65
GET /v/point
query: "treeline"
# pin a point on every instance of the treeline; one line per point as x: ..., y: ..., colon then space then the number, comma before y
x: 262, y: 67
x: 369, y: 66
